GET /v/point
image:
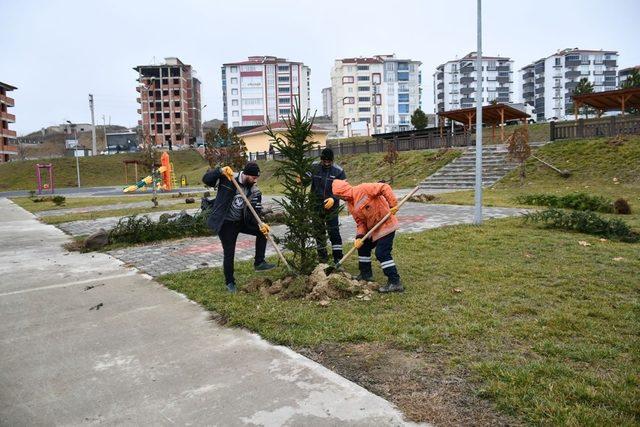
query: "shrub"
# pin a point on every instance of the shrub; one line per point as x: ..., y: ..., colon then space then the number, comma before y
x: 59, y: 200
x: 621, y: 207
x: 584, y: 222
x: 577, y: 201
x: 134, y: 229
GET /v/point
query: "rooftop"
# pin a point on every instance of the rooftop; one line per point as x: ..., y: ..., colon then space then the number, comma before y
x: 264, y: 59
x: 277, y: 126
x: 7, y: 86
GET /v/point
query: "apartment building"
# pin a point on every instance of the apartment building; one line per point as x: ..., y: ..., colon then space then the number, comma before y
x: 170, y: 107
x: 548, y: 83
x: 380, y: 91
x: 327, y: 101
x: 263, y: 89
x: 454, y: 82
x: 7, y: 136
x: 623, y: 74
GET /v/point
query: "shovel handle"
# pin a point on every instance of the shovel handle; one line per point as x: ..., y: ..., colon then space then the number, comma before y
x: 257, y: 218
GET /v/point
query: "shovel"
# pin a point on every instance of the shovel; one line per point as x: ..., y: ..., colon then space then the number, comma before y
x: 257, y: 218
x: 331, y: 269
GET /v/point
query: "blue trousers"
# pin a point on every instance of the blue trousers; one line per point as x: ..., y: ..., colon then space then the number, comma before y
x: 328, y: 223
x: 383, y: 247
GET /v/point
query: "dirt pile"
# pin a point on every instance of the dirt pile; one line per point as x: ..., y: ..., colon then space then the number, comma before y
x: 318, y: 286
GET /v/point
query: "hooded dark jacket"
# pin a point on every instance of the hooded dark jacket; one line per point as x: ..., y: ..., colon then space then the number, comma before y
x: 322, y: 180
x: 226, y: 192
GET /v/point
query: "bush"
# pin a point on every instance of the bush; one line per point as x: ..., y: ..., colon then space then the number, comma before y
x: 577, y: 201
x: 59, y: 200
x: 584, y: 222
x: 621, y: 207
x: 134, y: 229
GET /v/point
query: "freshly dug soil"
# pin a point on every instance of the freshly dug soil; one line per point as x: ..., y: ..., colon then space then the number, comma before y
x: 316, y: 287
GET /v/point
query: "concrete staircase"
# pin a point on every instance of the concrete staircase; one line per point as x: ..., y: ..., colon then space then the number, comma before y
x: 460, y: 173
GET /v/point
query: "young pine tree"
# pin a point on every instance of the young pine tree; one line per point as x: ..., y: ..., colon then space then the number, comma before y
x: 298, y: 202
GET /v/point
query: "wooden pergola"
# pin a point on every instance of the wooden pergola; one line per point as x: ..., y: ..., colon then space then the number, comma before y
x: 495, y: 114
x: 611, y: 100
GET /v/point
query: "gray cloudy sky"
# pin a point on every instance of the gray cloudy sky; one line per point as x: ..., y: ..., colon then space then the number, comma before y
x: 56, y: 52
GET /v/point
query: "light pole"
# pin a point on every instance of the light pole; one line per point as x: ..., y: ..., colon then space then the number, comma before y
x: 75, y: 150
x: 477, y: 216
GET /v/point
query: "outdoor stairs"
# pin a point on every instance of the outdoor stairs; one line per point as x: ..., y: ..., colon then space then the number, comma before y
x: 461, y: 173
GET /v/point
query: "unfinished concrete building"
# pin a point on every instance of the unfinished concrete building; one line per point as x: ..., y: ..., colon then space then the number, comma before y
x: 170, y: 108
x: 7, y: 136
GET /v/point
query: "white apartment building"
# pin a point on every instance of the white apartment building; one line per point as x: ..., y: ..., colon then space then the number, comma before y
x: 454, y: 82
x: 327, y: 102
x: 548, y: 83
x: 624, y: 73
x: 263, y: 89
x: 381, y: 92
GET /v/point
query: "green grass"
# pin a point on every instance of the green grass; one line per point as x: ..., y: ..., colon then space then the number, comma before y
x: 594, y: 165
x: 411, y: 169
x: 546, y: 329
x: 83, y: 202
x: 94, y: 171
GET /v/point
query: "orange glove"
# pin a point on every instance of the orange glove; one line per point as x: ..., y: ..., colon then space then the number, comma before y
x: 328, y: 203
x: 228, y: 172
x: 265, y: 229
x: 394, y: 210
x: 358, y: 243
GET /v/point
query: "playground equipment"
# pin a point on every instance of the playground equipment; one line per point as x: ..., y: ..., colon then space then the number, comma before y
x: 162, y: 178
x: 153, y: 180
x: 47, y: 186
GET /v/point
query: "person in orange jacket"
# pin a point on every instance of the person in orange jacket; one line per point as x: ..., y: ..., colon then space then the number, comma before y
x: 368, y: 203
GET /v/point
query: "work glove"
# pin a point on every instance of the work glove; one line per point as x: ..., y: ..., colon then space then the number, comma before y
x: 394, y: 210
x: 358, y: 243
x: 228, y: 172
x: 265, y: 229
x: 328, y: 203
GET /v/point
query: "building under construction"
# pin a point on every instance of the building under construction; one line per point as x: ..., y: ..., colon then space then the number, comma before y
x: 169, y: 104
x: 6, y: 135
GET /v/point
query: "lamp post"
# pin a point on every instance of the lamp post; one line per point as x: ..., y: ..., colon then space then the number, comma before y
x: 75, y: 150
x: 477, y: 216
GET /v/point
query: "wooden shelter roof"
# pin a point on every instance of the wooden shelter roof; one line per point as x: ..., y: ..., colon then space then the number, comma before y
x: 611, y: 99
x: 491, y: 114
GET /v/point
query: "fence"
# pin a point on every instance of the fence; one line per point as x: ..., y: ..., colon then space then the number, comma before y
x: 379, y: 145
x: 609, y: 126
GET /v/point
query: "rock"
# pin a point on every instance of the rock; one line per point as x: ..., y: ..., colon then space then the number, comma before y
x: 324, y: 303
x: 97, y: 240
x: 276, y: 288
x: 189, y: 200
x: 165, y: 217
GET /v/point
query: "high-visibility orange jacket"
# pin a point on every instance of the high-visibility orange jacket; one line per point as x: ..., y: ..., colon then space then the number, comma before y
x: 368, y: 203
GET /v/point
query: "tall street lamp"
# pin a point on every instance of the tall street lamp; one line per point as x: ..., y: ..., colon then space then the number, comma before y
x: 477, y: 216
x: 75, y: 150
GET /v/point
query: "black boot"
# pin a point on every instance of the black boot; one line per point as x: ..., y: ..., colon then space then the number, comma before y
x: 231, y: 287
x: 392, y: 287
x: 263, y: 266
x: 364, y: 276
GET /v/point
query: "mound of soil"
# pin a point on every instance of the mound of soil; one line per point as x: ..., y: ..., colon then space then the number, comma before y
x: 317, y: 286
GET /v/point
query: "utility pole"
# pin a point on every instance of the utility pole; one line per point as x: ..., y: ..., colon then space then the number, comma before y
x: 94, y: 150
x: 477, y: 216
x: 104, y: 128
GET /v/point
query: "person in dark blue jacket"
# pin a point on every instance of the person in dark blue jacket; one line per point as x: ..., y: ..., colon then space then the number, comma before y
x: 322, y: 175
x: 229, y: 216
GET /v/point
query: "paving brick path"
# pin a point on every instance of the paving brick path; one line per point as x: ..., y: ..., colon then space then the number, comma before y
x: 86, y: 209
x: 193, y: 253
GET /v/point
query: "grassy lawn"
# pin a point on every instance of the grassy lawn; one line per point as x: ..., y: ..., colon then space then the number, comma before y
x: 540, y: 328
x: 594, y: 165
x: 83, y: 202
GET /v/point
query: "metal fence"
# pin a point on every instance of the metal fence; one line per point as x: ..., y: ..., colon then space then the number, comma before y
x: 592, y: 128
x: 379, y: 145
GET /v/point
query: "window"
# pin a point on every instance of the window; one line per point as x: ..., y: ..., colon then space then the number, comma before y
x: 391, y: 120
x: 350, y: 89
x: 235, y: 124
x: 403, y: 97
x: 284, y: 90
x: 363, y: 78
x: 234, y: 80
x: 491, y: 65
x: 403, y: 108
x: 235, y: 113
x: 363, y: 68
x: 283, y: 68
x: 376, y: 78
x: 283, y: 79
x: 234, y: 91
x: 599, y: 80
x: 364, y: 109
x: 403, y: 76
x: 284, y: 100
x: 284, y: 111
x: 558, y: 61
x: 378, y: 100
x: 348, y: 100
x: 363, y: 88
x: 350, y: 111
x: 403, y: 66
x: 364, y: 99
x: 378, y: 120
x: 177, y: 114
x: 233, y: 69
x: 234, y: 102
x: 347, y: 79
x: 252, y: 101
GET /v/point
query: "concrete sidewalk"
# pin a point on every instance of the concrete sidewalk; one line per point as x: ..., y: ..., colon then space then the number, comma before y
x: 85, y: 340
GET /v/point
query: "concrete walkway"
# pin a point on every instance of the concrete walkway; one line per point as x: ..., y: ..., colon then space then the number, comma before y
x: 85, y: 340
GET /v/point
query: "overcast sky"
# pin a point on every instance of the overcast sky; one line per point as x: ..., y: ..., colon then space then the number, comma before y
x: 57, y: 52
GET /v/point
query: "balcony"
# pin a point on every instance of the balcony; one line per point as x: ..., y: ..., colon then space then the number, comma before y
x: 527, y: 85
x: 467, y: 80
x: 8, y: 149
x: 138, y: 100
x: 570, y: 86
x: 527, y: 95
x: 440, y: 86
x: 503, y: 68
x: 528, y: 75
x: 7, y: 117
x: 467, y: 90
x: 572, y: 62
x: 8, y: 133
x: 540, y: 80
x: 539, y: 90
x: 610, y: 63
x: 572, y: 74
x: 500, y: 79
x: 6, y: 100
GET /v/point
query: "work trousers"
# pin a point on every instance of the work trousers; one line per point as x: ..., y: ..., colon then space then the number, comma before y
x: 229, y: 235
x: 383, y: 246
x: 328, y: 223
